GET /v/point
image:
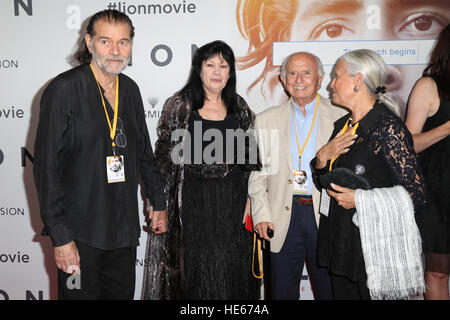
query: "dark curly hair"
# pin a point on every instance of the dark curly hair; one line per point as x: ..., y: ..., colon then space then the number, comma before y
x: 112, y: 16
x: 194, y: 86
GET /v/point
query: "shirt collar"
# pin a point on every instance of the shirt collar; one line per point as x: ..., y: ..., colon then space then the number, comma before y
x: 366, y: 123
x: 308, y: 107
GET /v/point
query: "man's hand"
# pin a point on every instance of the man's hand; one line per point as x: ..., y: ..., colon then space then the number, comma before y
x: 345, y: 197
x: 67, y: 256
x: 261, y: 229
x: 158, y: 220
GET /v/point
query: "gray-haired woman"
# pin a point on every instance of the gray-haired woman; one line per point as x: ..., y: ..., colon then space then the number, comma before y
x: 376, y: 149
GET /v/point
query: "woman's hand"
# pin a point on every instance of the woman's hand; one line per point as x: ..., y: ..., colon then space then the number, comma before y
x: 158, y: 220
x: 248, y: 209
x: 345, y: 197
x: 335, y: 147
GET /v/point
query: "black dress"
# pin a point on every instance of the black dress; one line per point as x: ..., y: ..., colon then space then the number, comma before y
x: 435, y: 225
x: 217, y: 249
x: 383, y: 155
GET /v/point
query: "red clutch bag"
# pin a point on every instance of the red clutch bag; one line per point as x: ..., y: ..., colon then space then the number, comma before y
x: 249, y: 223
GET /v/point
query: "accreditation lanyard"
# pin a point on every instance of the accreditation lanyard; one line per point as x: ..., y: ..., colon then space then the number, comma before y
x: 112, y: 129
x: 261, y: 273
x: 343, y: 130
x: 300, y: 150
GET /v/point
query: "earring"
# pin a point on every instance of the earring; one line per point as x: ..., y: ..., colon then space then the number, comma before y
x: 355, y: 89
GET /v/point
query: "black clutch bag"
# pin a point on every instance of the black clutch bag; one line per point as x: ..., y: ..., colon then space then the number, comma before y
x: 345, y: 178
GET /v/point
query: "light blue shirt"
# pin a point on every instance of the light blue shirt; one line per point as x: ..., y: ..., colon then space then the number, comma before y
x: 303, y: 124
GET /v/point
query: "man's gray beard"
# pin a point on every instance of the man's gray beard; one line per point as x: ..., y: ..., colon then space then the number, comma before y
x: 98, y: 62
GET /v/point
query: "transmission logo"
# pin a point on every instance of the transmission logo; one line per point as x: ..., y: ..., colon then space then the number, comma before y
x: 153, y: 101
x: 152, y: 113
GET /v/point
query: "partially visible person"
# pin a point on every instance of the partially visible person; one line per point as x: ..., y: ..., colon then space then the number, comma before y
x: 428, y: 119
x: 264, y: 22
x: 90, y: 215
x: 205, y: 161
x: 283, y: 195
x: 375, y: 147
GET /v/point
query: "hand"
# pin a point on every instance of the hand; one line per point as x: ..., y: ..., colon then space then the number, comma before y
x: 261, y: 229
x: 67, y: 257
x: 158, y: 220
x: 345, y: 197
x: 335, y: 147
x: 248, y: 209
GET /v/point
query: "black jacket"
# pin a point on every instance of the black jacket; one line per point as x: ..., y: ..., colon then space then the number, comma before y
x: 383, y: 156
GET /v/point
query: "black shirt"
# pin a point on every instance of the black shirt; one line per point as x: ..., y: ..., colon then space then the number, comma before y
x: 72, y: 143
x: 203, y: 147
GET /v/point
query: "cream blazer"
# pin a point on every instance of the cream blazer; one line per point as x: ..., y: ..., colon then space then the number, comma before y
x: 271, y: 189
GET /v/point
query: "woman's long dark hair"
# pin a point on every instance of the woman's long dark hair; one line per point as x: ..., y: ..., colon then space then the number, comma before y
x: 194, y: 86
x: 112, y: 16
x: 439, y: 66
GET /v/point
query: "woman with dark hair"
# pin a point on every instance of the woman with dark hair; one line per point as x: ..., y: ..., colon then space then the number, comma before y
x: 428, y: 119
x: 206, y: 253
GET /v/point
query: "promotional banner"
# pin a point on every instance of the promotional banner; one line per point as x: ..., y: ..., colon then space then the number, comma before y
x: 39, y: 38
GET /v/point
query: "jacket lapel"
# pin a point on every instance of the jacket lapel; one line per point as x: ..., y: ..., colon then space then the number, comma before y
x: 324, y: 125
x: 284, y: 124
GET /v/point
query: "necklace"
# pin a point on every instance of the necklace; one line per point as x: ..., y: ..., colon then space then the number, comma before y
x: 112, y: 127
x: 347, y: 125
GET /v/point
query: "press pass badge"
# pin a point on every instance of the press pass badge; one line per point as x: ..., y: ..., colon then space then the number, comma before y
x: 324, y: 203
x: 300, y: 181
x: 115, y: 169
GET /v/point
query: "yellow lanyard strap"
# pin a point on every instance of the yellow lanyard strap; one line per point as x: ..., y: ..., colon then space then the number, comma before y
x: 343, y: 130
x: 261, y: 274
x: 300, y: 151
x: 112, y: 128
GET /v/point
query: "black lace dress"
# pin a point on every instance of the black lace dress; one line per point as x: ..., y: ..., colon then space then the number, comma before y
x: 435, y: 225
x: 384, y: 156
x: 217, y: 249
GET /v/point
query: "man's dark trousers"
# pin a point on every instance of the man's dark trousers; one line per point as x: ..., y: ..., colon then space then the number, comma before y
x: 300, y: 243
x: 105, y: 275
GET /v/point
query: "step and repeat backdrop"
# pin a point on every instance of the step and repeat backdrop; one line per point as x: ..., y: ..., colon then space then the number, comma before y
x: 39, y: 38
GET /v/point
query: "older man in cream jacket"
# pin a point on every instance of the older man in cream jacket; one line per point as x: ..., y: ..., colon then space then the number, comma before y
x: 283, y: 195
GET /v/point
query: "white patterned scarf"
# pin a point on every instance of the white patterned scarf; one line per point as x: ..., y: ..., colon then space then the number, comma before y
x: 391, y: 243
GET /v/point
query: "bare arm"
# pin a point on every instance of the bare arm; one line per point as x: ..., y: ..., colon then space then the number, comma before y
x: 423, y: 103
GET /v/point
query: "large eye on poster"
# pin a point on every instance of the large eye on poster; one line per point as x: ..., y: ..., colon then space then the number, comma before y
x: 328, y: 28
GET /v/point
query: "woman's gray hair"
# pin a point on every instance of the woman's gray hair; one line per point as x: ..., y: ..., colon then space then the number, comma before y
x: 286, y: 60
x: 374, y: 71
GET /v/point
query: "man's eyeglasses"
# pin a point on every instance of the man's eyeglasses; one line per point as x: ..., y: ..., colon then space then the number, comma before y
x: 121, y: 139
